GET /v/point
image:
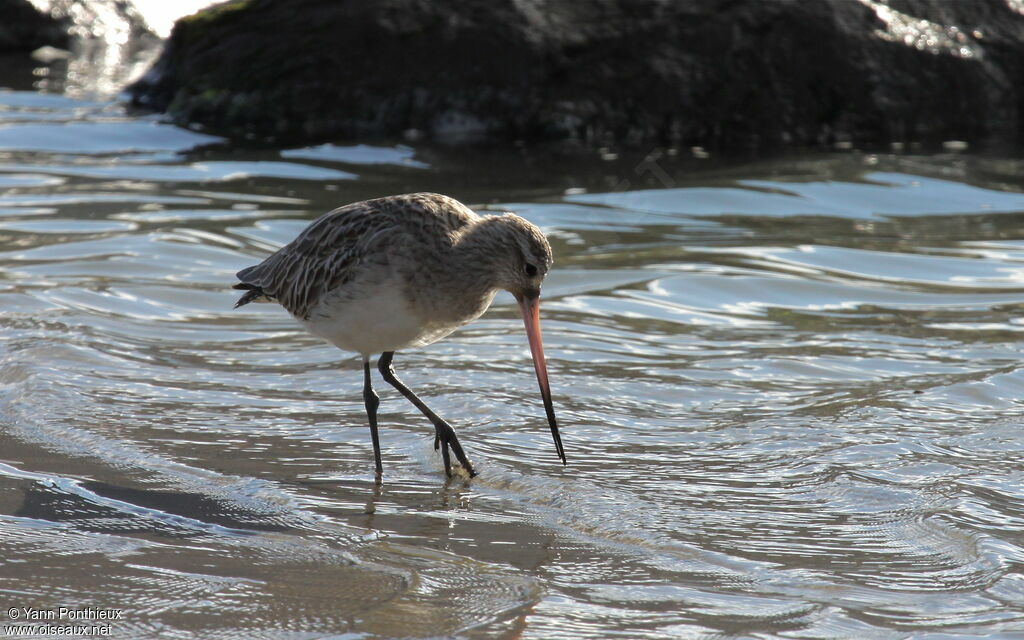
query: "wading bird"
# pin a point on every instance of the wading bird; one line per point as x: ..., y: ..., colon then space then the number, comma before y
x: 405, y: 271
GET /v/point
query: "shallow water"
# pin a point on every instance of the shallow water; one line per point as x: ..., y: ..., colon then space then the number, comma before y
x: 790, y: 395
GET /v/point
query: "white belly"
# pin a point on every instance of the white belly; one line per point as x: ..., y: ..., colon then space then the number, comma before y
x: 378, y: 321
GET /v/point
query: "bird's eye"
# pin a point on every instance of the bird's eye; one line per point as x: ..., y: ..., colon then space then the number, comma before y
x: 531, y: 270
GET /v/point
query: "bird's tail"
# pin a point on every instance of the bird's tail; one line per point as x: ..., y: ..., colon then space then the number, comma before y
x: 253, y: 293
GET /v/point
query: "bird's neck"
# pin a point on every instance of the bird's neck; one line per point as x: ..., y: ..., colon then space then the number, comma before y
x: 483, y: 253
x: 479, y: 256
x: 455, y: 283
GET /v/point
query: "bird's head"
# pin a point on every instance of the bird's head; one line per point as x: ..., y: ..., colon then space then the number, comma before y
x: 524, y: 258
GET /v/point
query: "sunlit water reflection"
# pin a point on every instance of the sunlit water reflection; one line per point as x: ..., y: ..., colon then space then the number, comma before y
x: 790, y: 396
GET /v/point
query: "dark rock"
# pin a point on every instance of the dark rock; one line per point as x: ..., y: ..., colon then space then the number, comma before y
x: 85, y: 47
x: 24, y: 28
x: 715, y: 73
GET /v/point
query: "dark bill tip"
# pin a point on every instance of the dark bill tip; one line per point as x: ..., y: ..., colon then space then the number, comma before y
x: 529, y: 306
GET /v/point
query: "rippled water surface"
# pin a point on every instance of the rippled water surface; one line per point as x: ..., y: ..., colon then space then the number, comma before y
x: 790, y: 394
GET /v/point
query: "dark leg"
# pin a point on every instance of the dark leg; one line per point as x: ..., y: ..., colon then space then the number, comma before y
x: 372, y: 402
x: 443, y: 432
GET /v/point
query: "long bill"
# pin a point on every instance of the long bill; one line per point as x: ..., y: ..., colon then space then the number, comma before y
x: 529, y: 306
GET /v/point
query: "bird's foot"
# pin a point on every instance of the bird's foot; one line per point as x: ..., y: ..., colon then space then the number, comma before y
x: 444, y: 437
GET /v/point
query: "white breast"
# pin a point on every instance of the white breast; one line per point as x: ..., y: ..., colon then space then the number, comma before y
x: 376, y: 320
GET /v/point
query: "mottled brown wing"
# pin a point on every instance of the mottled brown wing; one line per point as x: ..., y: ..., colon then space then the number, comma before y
x: 323, y: 257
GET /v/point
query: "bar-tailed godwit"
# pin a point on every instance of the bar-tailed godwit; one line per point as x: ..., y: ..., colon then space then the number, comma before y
x: 405, y: 271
